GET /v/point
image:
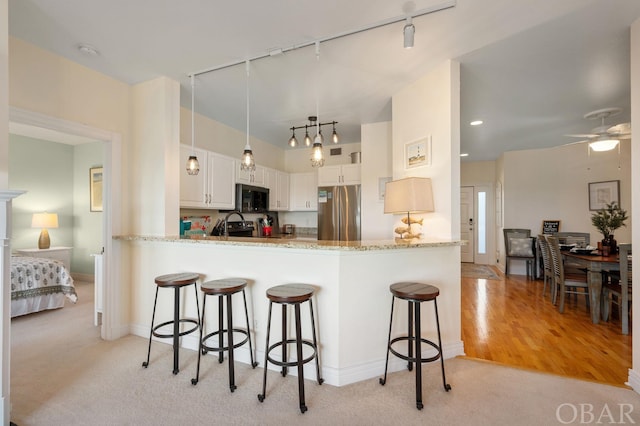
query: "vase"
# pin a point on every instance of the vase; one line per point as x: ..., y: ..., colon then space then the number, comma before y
x: 610, y: 242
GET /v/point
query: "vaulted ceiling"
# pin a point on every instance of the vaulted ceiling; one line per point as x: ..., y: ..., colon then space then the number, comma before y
x: 530, y: 69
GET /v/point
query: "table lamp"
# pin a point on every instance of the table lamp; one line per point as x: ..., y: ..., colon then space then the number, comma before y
x: 45, y: 221
x: 409, y: 195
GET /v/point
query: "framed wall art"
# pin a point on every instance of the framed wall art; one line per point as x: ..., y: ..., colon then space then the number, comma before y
x: 95, y: 189
x: 417, y: 153
x: 603, y: 193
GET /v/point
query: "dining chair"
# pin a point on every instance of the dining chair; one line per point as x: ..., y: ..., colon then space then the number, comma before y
x: 619, y: 291
x: 519, y: 245
x: 566, y: 283
x: 547, y: 268
x: 580, y: 239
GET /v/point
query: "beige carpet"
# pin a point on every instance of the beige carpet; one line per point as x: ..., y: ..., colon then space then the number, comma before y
x: 63, y: 374
x: 471, y: 270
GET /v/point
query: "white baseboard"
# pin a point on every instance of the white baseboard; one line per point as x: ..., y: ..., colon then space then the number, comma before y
x: 634, y: 380
x: 331, y: 375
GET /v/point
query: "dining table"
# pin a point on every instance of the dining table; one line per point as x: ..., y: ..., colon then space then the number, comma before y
x: 594, y: 262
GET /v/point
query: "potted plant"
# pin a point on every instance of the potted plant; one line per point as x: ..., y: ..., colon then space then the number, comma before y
x: 606, y: 221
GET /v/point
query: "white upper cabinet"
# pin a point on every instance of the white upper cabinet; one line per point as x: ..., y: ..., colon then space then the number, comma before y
x: 345, y: 174
x: 213, y: 187
x: 304, y: 191
x: 193, y: 188
x: 255, y: 177
x: 278, y: 184
x: 222, y: 188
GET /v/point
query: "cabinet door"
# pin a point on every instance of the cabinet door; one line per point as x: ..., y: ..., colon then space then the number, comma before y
x: 271, y: 181
x: 283, y: 190
x: 329, y: 175
x: 193, y: 188
x: 350, y: 174
x: 255, y: 177
x: 304, y: 188
x: 221, y: 181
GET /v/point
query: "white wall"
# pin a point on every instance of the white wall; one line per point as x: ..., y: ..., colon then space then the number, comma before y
x: 431, y: 108
x: 376, y: 148
x: 634, y: 373
x: 4, y: 88
x: 553, y: 184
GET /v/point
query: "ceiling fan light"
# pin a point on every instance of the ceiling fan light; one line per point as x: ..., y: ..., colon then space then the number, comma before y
x: 604, y: 145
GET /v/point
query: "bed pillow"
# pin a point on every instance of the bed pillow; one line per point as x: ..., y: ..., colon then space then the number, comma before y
x: 520, y: 247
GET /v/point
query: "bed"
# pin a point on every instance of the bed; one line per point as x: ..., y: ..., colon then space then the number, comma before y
x: 39, y: 284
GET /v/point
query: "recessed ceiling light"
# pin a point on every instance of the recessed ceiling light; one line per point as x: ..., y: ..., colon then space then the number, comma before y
x: 464, y: 154
x: 88, y: 50
x: 476, y: 123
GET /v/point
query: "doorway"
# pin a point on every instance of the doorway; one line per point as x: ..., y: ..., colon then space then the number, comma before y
x: 476, y: 224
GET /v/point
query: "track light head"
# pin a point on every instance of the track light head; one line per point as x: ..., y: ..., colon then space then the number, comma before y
x: 408, y: 31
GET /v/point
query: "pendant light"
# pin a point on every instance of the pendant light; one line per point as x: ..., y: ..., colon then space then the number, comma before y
x: 293, y: 142
x: 247, y: 163
x: 307, y: 138
x: 193, y: 167
x: 317, y: 156
x: 408, y: 31
x: 334, y: 135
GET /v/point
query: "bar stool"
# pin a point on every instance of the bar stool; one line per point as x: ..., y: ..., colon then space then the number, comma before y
x: 291, y: 294
x: 415, y: 293
x: 175, y: 281
x: 221, y: 288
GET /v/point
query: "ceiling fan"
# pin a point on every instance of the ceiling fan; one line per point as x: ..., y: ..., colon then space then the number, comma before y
x: 604, y: 137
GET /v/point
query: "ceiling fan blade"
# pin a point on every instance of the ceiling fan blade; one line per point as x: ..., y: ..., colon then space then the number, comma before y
x: 589, y: 135
x: 620, y: 129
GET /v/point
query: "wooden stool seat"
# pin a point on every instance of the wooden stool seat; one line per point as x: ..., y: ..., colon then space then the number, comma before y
x: 174, y: 281
x: 415, y: 293
x: 290, y: 293
x: 225, y: 287
x: 295, y: 295
x: 180, y: 279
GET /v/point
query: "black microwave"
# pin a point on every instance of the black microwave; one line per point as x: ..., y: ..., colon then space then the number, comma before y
x: 251, y: 199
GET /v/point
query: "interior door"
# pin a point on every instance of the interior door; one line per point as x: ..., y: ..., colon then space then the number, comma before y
x: 466, y: 223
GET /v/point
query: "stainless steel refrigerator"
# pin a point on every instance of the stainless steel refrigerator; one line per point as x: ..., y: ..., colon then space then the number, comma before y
x: 339, y: 213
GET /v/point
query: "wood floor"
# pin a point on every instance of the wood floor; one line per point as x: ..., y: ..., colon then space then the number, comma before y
x: 509, y: 321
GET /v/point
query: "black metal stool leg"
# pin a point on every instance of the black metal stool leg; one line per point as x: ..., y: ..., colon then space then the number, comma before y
x: 299, y: 359
x: 446, y: 385
x: 246, y: 314
x: 410, y: 346
x: 220, y: 329
x: 315, y: 343
x: 176, y: 330
x: 145, y: 364
x: 200, y: 344
x: 383, y: 380
x: 284, y: 339
x: 232, y: 379
x: 418, y: 362
x: 266, y: 357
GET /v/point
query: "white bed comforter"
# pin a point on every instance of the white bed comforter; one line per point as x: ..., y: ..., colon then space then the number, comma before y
x: 34, y: 277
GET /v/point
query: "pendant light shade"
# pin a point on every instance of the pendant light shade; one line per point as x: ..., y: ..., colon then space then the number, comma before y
x: 307, y: 138
x: 293, y: 142
x: 334, y: 135
x: 317, y: 156
x: 193, y: 167
x: 247, y: 163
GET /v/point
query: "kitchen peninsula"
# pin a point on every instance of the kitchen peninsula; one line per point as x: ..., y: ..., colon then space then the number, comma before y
x: 352, y: 302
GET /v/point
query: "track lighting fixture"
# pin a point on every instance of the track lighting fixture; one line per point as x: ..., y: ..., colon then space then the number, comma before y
x: 193, y: 167
x: 313, y: 123
x: 408, y: 31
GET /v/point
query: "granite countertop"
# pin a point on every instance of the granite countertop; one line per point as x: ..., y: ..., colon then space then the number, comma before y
x: 297, y: 243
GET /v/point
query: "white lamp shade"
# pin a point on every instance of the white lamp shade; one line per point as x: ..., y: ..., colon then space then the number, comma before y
x: 409, y: 195
x: 44, y: 220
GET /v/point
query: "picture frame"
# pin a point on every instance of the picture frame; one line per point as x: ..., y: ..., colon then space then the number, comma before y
x: 417, y: 153
x: 95, y: 189
x: 603, y: 193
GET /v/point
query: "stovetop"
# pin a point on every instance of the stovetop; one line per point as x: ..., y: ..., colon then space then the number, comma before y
x: 239, y: 226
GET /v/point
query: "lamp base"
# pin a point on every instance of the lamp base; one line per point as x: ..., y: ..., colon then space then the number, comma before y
x: 43, y: 241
